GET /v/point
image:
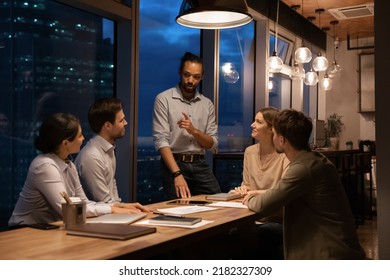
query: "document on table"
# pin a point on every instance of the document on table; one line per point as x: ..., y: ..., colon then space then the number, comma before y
x: 201, y: 223
x: 183, y: 210
x: 229, y: 204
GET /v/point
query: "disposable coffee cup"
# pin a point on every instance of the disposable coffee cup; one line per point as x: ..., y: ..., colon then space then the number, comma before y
x: 73, y: 213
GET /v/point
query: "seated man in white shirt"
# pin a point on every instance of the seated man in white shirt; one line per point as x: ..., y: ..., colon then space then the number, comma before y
x: 96, y: 163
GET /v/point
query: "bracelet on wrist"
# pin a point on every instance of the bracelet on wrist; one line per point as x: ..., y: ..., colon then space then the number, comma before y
x: 176, y: 173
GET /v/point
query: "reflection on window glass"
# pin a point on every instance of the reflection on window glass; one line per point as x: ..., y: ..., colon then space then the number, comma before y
x: 53, y: 59
x: 162, y: 42
x: 279, y: 84
x: 279, y: 88
x: 283, y: 48
x: 236, y: 88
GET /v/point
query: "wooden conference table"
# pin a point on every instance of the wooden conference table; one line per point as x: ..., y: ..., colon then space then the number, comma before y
x: 30, y: 244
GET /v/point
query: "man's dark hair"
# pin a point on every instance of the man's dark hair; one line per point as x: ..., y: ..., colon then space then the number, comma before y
x: 103, y: 110
x: 295, y: 127
x: 189, y: 57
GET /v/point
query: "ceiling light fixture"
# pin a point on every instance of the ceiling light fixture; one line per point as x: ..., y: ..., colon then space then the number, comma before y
x: 326, y: 83
x: 297, y: 72
x: 320, y: 63
x: 335, y: 68
x: 303, y: 54
x: 311, y: 78
x: 213, y: 14
x: 274, y: 62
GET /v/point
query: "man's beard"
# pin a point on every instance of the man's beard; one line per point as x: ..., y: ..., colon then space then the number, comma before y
x: 189, y: 88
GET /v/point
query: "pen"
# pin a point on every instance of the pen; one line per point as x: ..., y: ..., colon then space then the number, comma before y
x: 168, y: 215
x: 66, y: 197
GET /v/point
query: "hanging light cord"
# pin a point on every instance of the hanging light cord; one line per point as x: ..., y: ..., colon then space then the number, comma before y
x: 276, y: 28
x: 334, y: 38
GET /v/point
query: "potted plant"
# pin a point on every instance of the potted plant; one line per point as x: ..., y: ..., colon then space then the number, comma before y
x: 333, y: 128
x: 349, y: 145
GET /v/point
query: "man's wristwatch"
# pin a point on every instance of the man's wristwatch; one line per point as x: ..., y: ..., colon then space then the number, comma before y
x: 176, y: 173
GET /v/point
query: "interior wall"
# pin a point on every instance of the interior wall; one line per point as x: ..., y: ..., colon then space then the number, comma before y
x: 344, y: 98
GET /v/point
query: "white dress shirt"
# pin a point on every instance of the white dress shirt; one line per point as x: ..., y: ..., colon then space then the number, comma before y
x: 96, y: 166
x: 168, y: 108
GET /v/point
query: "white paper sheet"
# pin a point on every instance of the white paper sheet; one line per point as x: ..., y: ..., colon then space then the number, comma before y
x: 201, y: 223
x: 183, y: 210
x: 229, y: 204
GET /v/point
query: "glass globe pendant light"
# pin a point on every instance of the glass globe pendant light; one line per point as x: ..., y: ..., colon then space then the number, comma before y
x: 311, y: 78
x: 297, y: 72
x: 326, y: 83
x: 302, y: 54
x: 274, y: 62
x: 335, y: 68
x: 230, y: 73
x: 320, y: 63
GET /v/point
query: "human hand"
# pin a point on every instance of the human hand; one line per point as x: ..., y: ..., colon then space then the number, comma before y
x: 246, y: 198
x: 138, y: 206
x: 250, y: 194
x: 243, y: 190
x: 129, y: 210
x: 181, y: 187
x: 186, y: 123
x: 132, y: 207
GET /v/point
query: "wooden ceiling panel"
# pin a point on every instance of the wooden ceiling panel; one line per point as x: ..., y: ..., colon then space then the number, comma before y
x: 361, y: 27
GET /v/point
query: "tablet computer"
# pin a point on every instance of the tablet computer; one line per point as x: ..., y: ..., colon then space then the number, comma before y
x: 188, y: 202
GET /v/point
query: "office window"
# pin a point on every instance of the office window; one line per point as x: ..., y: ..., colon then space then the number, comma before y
x: 54, y: 58
x: 236, y: 88
x: 284, y: 48
x: 162, y: 42
x: 279, y: 84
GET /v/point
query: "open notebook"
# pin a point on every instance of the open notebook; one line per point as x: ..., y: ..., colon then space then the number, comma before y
x: 117, y: 218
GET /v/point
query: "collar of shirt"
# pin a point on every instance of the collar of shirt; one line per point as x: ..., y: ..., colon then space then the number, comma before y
x: 177, y: 94
x: 63, y: 165
x: 104, y: 144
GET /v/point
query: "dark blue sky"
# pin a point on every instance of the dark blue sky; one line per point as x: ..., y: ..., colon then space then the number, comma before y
x: 162, y: 44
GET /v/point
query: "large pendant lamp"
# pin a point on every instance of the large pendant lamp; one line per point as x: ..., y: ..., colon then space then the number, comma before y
x: 274, y: 62
x: 213, y: 14
x: 320, y: 63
